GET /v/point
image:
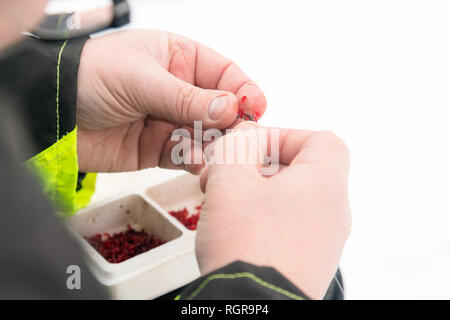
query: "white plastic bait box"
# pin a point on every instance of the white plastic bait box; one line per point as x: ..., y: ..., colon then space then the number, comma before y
x: 159, y: 270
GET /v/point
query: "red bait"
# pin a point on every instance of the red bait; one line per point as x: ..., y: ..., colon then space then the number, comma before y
x: 188, y: 220
x: 122, y: 246
x: 247, y: 116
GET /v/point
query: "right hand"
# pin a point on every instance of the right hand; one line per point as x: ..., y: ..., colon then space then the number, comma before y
x: 296, y: 221
x: 136, y: 87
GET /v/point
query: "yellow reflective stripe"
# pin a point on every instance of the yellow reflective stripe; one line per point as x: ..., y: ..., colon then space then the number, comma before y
x: 248, y: 275
x: 83, y: 196
x: 57, y: 171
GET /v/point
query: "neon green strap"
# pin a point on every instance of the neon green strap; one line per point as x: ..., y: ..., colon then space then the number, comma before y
x: 84, y: 195
x: 57, y: 171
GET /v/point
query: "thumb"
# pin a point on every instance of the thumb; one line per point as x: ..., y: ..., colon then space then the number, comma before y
x: 237, y: 155
x: 184, y: 103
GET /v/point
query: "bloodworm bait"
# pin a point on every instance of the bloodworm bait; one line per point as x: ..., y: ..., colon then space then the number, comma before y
x: 247, y: 116
x: 122, y: 246
x: 187, y: 219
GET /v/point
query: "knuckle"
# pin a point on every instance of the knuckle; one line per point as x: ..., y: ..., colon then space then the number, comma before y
x: 330, y: 136
x: 187, y: 95
x: 345, y: 216
x: 348, y: 228
x: 335, y: 141
x: 341, y: 217
x: 174, y: 44
x: 173, y: 41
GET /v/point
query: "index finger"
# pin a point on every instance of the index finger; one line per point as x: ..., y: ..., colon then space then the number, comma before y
x: 289, y: 147
x: 214, y: 71
x: 304, y: 146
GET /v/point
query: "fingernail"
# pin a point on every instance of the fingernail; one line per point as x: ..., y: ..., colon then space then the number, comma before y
x: 244, y: 125
x: 217, y: 107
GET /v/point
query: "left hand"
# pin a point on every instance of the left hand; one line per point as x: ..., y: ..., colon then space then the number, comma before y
x: 296, y: 221
x: 136, y: 87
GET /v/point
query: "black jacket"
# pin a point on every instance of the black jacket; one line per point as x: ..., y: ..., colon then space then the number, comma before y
x: 35, y: 248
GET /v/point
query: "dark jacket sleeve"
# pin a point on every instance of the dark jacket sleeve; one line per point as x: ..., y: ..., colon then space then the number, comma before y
x: 36, y: 249
x: 242, y: 281
x: 41, y: 76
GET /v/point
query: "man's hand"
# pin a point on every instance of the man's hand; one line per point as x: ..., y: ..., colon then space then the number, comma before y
x: 296, y: 221
x: 136, y: 87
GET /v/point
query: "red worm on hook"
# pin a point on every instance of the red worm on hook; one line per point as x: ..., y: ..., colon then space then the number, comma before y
x: 247, y: 116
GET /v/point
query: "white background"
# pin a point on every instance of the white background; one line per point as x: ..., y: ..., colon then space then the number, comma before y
x: 375, y: 72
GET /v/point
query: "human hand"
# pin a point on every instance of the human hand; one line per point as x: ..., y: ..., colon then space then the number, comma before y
x: 296, y: 221
x: 136, y: 87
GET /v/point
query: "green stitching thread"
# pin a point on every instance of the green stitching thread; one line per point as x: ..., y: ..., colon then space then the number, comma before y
x: 244, y: 275
x: 57, y: 117
x: 57, y: 88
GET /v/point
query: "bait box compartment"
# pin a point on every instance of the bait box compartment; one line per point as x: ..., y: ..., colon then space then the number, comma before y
x: 175, y: 194
x: 159, y: 270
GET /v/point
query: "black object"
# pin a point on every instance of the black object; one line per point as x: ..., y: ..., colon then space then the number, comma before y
x: 335, y: 290
x: 65, y: 26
